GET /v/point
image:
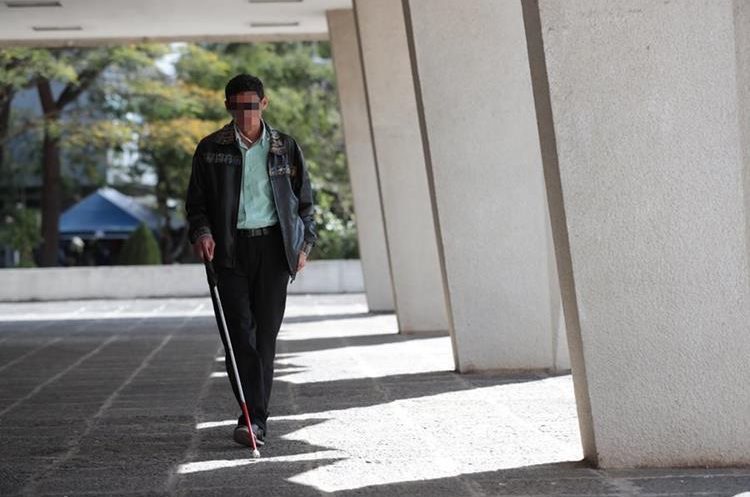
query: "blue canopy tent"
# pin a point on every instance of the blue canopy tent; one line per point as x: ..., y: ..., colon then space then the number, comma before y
x: 106, y: 214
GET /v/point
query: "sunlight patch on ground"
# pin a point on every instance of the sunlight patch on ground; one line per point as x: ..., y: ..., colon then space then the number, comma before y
x: 215, y: 424
x: 442, y: 436
x: 200, y: 466
x: 345, y: 363
x: 342, y: 327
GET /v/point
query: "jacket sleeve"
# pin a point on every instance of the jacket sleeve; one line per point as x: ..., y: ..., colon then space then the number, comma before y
x: 304, y: 193
x: 196, y: 200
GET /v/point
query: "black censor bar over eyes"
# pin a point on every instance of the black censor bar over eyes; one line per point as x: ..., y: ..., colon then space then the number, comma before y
x: 244, y: 105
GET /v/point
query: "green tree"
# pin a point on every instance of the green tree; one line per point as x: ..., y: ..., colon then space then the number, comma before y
x: 20, y: 68
x: 87, y: 65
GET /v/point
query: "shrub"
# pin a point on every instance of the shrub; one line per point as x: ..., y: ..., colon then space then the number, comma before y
x: 21, y: 231
x: 140, y: 248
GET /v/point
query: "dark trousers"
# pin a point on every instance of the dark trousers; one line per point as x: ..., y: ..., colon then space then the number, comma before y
x: 253, y: 296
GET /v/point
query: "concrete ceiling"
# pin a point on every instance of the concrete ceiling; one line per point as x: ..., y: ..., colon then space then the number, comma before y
x: 87, y: 22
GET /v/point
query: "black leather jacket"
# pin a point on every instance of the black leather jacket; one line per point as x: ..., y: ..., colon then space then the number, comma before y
x: 213, y: 194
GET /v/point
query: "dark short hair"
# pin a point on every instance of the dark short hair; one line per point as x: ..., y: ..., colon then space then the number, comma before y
x: 244, y: 82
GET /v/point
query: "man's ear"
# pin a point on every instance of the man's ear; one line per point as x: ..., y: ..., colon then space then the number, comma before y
x: 226, y: 105
x: 264, y: 103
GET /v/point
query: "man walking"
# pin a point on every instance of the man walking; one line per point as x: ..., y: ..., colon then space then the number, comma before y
x: 250, y: 210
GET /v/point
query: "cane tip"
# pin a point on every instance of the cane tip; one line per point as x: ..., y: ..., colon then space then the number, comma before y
x: 256, y: 454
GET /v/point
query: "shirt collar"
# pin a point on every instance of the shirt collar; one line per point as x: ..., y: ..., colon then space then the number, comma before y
x: 243, y: 141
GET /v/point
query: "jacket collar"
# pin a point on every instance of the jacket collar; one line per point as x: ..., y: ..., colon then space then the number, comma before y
x: 226, y: 136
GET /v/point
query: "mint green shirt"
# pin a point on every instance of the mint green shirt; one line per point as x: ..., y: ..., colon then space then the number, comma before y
x: 257, y: 208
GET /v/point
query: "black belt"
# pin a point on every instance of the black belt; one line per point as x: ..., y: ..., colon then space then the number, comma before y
x: 265, y: 230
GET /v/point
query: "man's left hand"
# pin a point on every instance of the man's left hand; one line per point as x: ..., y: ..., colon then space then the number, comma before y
x: 301, y: 261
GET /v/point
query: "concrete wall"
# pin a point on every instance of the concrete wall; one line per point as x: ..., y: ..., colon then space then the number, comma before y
x: 638, y: 111
x: 742, y: 47
x: 483, y: 158
x: 373, y: 249
x: 188, y: 280
x: 412, y: 245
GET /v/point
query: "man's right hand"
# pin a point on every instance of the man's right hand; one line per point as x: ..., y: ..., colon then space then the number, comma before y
x: 204, y: 248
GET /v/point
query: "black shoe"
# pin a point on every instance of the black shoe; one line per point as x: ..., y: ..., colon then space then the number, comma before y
x: 242, y: 436
x: 260, y: 434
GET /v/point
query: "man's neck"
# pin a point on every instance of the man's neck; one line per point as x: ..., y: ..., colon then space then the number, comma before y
x: 251, y: 135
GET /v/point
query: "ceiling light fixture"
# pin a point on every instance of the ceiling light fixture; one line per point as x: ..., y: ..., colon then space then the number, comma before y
x: 30, y: 5
x: 274, y: 24
x: 57, y: 28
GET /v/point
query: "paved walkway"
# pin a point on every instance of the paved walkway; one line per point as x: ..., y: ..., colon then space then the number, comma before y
x: 130, y: 398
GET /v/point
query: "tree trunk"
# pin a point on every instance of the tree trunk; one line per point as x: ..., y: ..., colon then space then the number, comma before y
x: 51, y: 190
x: 6, y: 96
x: 165, y: 238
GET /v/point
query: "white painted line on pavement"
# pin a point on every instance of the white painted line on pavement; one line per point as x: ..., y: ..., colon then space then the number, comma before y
x: 60, y: 374
x: 27, y: 354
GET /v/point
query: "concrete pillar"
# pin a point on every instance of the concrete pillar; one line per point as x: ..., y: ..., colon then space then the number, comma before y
x: 482, y: 151
x: 638, y: 111
x: 373, y: 251
x: 410, y: 230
